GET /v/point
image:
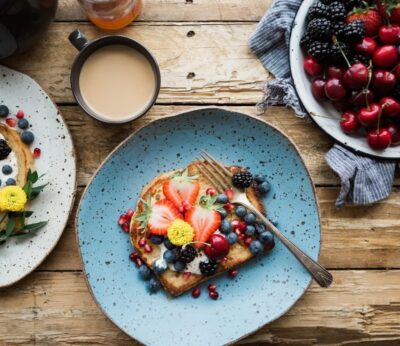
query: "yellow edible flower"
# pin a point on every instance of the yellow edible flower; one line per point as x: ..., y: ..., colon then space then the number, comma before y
x: 12, y: 198
x: 180, y: 232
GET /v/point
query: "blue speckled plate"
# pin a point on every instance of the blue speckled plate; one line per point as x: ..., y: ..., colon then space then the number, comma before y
x: 264, y: 289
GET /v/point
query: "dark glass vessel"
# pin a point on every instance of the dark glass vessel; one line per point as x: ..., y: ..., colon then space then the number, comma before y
x: 22, y: 23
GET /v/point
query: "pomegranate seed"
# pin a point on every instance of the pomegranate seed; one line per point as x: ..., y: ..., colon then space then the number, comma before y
x: 247, y: 241
x: 148, y: 235
x: 11, y: 122
x: 232, y: 273
x: 211, y: 191
x: 229, y: 206
x: 241, y: 236
x: 142, y: 242
x: 36, y: 153
x: 213, y: 295
x: 186, y: 275
x: 181, y: 210
x: 125, y: 227
x: 196, y: 293
x: 129, y: 214
x: 212, y: 287
x: 242, y: 226
x: 186, y: 206
x: 235, y: 225
x: 138, y: 262
x: 122, y: 219
x: 133, y: 255
x: 20, y: 114
x: 148, y: 248
x: 229, y: 193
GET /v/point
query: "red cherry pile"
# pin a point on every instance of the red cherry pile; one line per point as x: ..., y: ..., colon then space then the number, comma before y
x: 367, y: 95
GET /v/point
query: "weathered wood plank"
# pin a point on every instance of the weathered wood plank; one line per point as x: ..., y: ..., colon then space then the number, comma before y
x: 353, y: 237
x: 231, y: 75
x: 182, y: 10
x: 51, y: 308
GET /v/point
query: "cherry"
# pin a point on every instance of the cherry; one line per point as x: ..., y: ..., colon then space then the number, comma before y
x: 379, y: 139
x: 396, y: 72
x: 349, y: 122
x: 312, y: 67
x: 383, y: 81
x: 389, y: 34
x: 386, y: 56
x: 335, y: 90
x: 394, y: 133
x: 335, y: 72
x: 362, y: 98
x: 218, y: 248
x: 356, y: 77
x: 369, y: 117
x: 366, y: 47
x: 318, y: 89
x: 390, y: 106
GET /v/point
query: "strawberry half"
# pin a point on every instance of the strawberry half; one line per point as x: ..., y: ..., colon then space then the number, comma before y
x: 181, y: 188
x: 371, y: 18
x: 204, y: 218
x: 156, y: 218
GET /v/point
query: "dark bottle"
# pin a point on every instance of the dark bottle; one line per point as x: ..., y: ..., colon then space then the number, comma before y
x: 22, y: 22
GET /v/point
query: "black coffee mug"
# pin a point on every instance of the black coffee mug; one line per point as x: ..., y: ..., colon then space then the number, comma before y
x: 86, y: 48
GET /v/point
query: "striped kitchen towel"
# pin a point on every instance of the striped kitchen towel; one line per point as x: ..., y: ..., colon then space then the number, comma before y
x: 364, y: 180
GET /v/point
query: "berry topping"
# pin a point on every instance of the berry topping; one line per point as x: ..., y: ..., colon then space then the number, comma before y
x: 208, y: 267
x: 320, y: 29
x: 225, y: 227
x: 4, y: 111
x: 232, y: 273
x: 7, y: 169
x: 337, y: 11
x: 264, y: 187
x: 196, y: 293
x: 222, y: 199
x: 5, y: 150
x: 36, y: 153
x: 23, y: 124
x: 156, y: 239
x: 154, y: 285
x: 20, y: 114
x: 250, y: 218
x: 212, y: 287
x: 187, y: 254
x: 179, y: 266
x: 240, y: 211
x: 181, y: 188
x: 213, y: 295
x: 256, y: 247
x: 144, y: 272
x: 27, y: 137
x: 169, y: 256
x: 354, y: 32
x: 180, y: 232
x: 11, y: 122
x: 160, y: 266
x: 232, y: 238
x: 242, y: 179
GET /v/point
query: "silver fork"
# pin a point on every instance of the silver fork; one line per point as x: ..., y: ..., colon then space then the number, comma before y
x: 221, y: 178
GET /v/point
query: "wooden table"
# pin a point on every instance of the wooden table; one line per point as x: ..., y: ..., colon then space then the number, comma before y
x: 201, y: 46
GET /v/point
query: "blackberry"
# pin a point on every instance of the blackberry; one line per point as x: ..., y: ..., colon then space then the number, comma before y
x: 360, y: 58
x: 305, y: 41
x: 337, y: 11
x: 208, y: 267
x: 187, y: 254
x: 319, y: 50
x: 318, y: 10
x: 5, y: 150
x: 320, y: 29
x: 242, y: 179
x: 338, y: 29
x: 354, y: 31
x: 336, y: 57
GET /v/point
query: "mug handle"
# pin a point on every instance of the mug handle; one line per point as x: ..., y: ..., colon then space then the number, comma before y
x: 78, y: 39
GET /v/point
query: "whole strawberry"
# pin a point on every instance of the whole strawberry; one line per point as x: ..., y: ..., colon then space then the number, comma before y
x: 371, y: 18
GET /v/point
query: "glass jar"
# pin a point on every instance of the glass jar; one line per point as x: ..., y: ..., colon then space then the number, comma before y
x: 111, y: 14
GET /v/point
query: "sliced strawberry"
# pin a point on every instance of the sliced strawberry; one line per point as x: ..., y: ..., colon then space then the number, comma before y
x: 180, y: 189
x: 163, y: 213
x: 204, y: 219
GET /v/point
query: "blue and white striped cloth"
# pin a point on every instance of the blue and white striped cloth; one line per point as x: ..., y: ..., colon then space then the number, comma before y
x: 364, y: 180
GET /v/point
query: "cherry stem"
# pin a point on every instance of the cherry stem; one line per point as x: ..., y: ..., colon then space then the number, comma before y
x: 380, y: 116
x: 198, y: 242
x: 336, y: 42
x: 365, y: 91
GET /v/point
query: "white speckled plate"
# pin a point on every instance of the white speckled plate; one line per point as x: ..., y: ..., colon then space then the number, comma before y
x: 20, y: 257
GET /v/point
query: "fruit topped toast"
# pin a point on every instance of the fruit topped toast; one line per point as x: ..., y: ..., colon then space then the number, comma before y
x: 186, y: 233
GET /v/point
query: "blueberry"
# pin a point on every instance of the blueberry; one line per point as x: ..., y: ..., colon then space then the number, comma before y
x: 232, y: 238
x: 223, y: 213
x: 256, y: 247
x: 260, y: 227
x: 168, y: 244
x: 259, y: 178
x: 250, y: 230
x: 4, y: 111
x: 144, y: 272
x: 154, y: 285
x: 156, y: 239
x: 223, y: 199
x: 160, y: 266
x: 23, y: 124
x: 27, y: 137
x: 240, y: 211
x: 11, y: 181
x: 225, y: 227
x: 264, y: 187
x: 267, y: 238
x: 179, y: 266
x: 7, y: 169
x: 250, y: 218
x: 169, y: 256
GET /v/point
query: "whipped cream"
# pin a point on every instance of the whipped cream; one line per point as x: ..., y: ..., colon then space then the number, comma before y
x: 12, y: 161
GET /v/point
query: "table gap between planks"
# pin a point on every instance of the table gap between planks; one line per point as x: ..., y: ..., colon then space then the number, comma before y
x: 360, y: 244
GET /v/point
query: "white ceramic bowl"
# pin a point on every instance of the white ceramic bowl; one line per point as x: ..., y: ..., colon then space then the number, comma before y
x: 324, y: 114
